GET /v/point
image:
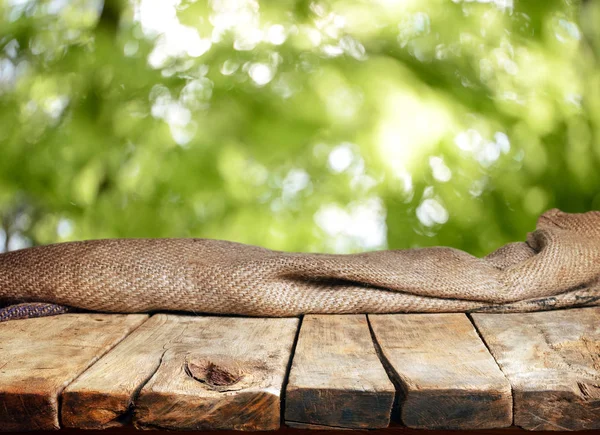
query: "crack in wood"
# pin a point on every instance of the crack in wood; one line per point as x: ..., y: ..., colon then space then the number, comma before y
x: 489, y: 349
x: 317, y: 426
x: 393, y: 375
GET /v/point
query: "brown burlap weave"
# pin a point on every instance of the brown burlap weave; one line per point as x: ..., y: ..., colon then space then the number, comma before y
x: 558, y: 266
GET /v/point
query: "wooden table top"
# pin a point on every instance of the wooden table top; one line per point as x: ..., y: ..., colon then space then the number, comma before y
x: 400, y: 373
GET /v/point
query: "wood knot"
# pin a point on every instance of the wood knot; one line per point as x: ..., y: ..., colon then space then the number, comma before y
x: 219, y: 376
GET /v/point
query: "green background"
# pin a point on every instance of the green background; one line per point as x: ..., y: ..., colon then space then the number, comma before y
x: 333, y: 126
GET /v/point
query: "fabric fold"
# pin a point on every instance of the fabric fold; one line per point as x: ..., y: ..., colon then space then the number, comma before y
x: 558, y: 266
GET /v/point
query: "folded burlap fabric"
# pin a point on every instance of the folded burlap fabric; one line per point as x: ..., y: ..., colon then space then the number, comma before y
x: 557, y: 267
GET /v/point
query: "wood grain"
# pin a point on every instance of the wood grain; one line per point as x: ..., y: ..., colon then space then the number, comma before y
x: 103, y: 396
x: 446, y: 377
x: 211, y: 373
x: 552, y: 360
x: 39, y: 357
x: 336, y: 379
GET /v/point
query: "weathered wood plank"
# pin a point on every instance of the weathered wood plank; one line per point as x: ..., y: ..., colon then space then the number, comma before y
x: 103, y: 396
x: 552, y: 360
x: 446, y: 377
x: 188, y: 372
x: 336, y: 379
x: 222, y: 373
x: 39, y: 357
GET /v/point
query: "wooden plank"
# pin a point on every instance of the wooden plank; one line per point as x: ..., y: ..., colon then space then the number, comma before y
x: 552, y: 360
x: 103, y: 396
x: 336, y: 379
x: 187, y: 372
x: 223, y: 373
x: 446, y: 377
x: 39, y: 357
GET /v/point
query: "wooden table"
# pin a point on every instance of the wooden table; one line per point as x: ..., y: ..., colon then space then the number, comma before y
x: 394, y: 372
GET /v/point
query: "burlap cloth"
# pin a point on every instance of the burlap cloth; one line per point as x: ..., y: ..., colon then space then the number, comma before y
x: 558, y: 266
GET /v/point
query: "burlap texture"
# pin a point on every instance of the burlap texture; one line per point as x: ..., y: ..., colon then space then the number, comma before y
x: 558, y: 266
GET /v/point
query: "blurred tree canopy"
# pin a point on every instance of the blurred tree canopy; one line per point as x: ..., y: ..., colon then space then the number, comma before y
x: 309, y: 125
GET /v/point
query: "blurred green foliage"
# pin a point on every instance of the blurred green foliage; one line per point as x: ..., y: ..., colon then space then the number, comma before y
x: 332, y: 126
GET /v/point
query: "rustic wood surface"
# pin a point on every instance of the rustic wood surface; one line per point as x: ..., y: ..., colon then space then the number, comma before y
x: 39, y: 357
x: 446, y: 377
x: 552, y: 360
x: 188, y: 372
x: 218, y: 373
x: 336, y: 379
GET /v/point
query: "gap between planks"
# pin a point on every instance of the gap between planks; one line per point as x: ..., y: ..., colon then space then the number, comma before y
x: 286, y: 377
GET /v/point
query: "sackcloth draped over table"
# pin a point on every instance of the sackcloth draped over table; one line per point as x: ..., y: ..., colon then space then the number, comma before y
x: 557, y: 267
